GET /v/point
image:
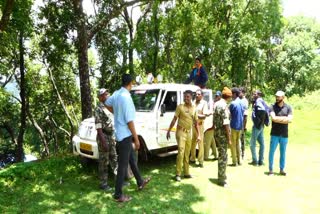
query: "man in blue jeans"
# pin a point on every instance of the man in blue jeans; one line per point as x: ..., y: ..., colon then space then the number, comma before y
x: 281, y: 115
x: 260, y: 113
x: 121, y: 105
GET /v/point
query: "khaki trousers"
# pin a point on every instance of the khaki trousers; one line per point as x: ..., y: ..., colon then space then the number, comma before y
x: 209, y: 142
x: 235, y: 146
x: 184, y: 145
x: 200, y: 145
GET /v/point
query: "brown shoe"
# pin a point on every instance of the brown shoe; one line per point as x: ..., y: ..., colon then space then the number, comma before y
x: 270, y: 173
x: 283, y: 173
x: 144, y: 183
x: 123, y: 198
x: 187, y: 176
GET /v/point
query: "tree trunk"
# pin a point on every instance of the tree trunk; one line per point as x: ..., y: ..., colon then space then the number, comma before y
x: 156, y: 38
x: 6, y: 14
x: 82, y: 48
x: 23, y: 114
x: 85, y: 35
x: 130, y: 27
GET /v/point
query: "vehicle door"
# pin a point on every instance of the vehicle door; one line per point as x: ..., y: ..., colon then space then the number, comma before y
x: 207, y: 96
x: 166, y: 113
x: 146, y: 102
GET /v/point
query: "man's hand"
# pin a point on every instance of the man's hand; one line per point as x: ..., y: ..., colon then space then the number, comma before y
x: 198, y: 139
x: 136, y: 143
x: 168, y: 135
x: 105, y: 146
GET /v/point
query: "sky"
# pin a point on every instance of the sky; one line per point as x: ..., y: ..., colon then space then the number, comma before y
x: 310, y: 8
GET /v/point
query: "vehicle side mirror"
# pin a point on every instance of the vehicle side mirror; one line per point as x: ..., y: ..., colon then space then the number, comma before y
x: 162, y: 109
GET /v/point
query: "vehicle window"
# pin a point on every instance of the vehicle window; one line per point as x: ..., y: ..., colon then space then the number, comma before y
x: 171, y: 101
x: 144, y: 100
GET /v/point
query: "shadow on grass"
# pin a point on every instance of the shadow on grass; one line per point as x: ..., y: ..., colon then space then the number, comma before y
x: 63, y: 185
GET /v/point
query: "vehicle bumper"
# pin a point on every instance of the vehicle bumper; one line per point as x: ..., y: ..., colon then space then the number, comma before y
x: 91, y: 148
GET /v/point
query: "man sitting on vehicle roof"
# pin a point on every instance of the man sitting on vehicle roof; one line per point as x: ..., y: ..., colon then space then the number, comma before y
x: 198, y: 74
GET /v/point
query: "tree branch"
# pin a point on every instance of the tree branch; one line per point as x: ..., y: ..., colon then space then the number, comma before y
x: 62, y: 103
x: 59, y: 127
x: 10, y: 130
x: 144, y: 14
x: 114, y: 13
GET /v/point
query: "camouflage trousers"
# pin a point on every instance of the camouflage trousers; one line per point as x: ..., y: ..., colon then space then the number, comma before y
x: 107, y: 158
x: 222, y: 144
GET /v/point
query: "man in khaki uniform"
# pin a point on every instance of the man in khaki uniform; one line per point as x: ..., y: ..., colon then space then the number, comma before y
x: 209, y: 141
x: 187, y: 117
x: 202, y: 111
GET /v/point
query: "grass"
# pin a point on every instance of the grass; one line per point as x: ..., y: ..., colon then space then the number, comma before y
x: 63, y: 185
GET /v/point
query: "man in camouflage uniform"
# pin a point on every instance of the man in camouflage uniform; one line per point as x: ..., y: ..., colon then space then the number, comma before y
x: 221, y: 120
x: 105, y: 139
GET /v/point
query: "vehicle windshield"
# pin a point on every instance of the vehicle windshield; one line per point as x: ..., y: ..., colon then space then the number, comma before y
x: 145, y: 100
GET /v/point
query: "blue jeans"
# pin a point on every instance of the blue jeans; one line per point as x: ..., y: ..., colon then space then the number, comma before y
x: 274, y: 141
x: 257, y: 134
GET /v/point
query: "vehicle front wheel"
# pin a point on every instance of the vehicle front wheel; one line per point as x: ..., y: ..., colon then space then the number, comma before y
x: 143, y: 152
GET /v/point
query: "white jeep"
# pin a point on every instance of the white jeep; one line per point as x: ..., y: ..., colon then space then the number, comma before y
x: 155, y: 107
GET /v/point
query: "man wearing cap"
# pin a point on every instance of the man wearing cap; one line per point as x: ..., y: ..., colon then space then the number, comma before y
x: 245, y: 104
x: 260, y: 118
x: 236, y: 124
x: 281, y: 115
x: 187, y: 117
x: 121, y: 105
x: 105, y: 139
x: 198, y: 74
x: 221, y: 120
x: 209, y: 141
x: 202, y: 111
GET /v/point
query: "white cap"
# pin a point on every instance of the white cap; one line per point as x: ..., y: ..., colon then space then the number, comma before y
x: 102, y: 91
x: 280, y: 94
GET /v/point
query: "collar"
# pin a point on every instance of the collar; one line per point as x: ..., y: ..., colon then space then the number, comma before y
x: 194, y: 66
x: 124, y: 89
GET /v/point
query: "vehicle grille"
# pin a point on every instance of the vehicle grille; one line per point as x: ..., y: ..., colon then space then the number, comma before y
x: 86, y: 152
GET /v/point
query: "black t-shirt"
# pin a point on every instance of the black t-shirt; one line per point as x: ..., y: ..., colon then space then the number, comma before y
x: 279, y: 129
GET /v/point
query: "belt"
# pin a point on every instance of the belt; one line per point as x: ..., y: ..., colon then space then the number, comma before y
x: 183, y: 129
